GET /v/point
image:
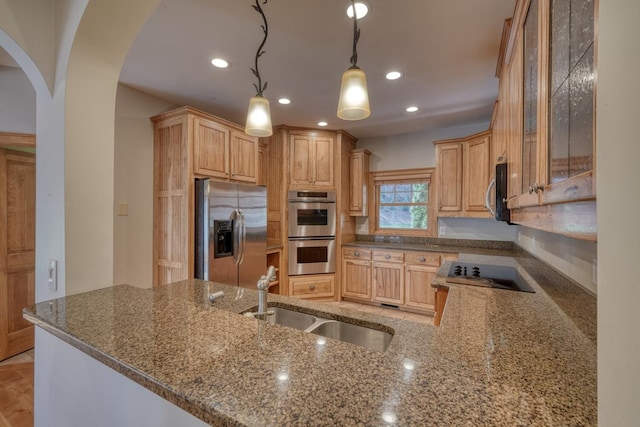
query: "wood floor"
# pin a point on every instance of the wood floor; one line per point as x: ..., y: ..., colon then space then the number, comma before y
x: 16, y: 391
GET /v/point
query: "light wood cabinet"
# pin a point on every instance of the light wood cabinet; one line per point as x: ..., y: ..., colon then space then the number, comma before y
x: 223, y: 152
x: 359, y: 182
x: 388, y: 277
x: 545, y: 121
x: 311, y: 161
x: 441, y: 295
x: 312, y: 286
x: 189, y: 143
x: 463, y: 171
x: 356, y: 273
x: 263, y: 164
x: 399, y: 278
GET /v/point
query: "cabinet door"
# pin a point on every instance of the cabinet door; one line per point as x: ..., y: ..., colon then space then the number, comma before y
x: 419, y: 292
x: 359, y: 175
x: 323, y: 162
x: 211, y: 148
x: 477, y: 160
x: 263, y: 164
x: 449, y: 173
x: 356, y: 279
x: 301, y: 160
x: 244, y: 157
x: 388, y: 283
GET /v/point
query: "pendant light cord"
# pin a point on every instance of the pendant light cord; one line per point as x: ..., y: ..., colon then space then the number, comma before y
x: 356, y: 36
x: 265, y: 28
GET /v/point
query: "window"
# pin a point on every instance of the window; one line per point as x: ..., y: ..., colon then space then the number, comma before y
x: 402, y: 203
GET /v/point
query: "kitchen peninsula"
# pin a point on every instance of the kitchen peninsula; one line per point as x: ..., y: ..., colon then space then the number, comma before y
x: 499, y: 358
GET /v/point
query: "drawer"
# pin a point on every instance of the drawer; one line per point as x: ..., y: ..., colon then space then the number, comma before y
x: 423, y: 258
x: 356, y: 253
x: 388, y: 256
x: 312, y: 288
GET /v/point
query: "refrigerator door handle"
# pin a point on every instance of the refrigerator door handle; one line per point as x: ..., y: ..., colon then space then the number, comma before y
x: 487, y: 200
x: 243, y: 235
x: 235, y: 221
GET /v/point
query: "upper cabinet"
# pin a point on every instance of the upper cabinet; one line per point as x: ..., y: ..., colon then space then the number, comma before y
x: 463, y: 169
x: 223, y: 152
x: 553, y: 42
x: 359, y: 181
x: 311, y: 160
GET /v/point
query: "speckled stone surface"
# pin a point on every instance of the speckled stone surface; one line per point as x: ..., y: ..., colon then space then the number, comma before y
x: 499, y: 358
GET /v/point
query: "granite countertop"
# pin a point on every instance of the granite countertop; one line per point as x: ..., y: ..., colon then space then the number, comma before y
x: 499, y: 358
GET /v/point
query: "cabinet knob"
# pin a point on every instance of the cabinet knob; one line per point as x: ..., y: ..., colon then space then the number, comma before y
x: 312, y: 287
x: 387, y: 256
x: 356, y: 253
x: 422, y: 259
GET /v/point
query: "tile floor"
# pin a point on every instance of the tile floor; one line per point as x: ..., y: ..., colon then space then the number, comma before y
x: 385, y: 311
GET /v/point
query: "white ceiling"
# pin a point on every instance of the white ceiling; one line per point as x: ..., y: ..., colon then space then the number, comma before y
x: 446, y: 49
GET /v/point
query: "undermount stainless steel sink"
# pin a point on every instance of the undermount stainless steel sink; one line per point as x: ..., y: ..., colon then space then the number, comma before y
x: 362, y: 336
x: 290, y: 318
x: 354, y: 334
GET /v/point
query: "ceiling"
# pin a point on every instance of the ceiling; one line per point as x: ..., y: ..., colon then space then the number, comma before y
x: 446, y: 50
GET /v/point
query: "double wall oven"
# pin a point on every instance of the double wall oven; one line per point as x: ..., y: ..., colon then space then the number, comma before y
x: 312, y: 232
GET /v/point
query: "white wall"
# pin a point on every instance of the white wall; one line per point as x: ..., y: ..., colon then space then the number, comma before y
x: 412, y: 150
x: 17, y: 101
x: 133, y: 233
x: 571, y: 257
x: 618, y: 175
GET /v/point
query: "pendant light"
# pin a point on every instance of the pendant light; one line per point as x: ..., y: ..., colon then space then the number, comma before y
x: 353, y: 103
x: 258, y: 115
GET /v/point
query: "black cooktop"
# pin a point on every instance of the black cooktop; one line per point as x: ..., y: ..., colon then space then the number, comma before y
x: 488, y: 276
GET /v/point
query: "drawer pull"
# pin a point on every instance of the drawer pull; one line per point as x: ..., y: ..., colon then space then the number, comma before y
x: 356, y: 253
x: 312, y: 287
x: 422, y: 259
x: 387, y: 256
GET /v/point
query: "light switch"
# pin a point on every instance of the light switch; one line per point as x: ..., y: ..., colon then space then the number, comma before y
x: 52, y: 282
x: 442, y: 230
x: 123, y: 209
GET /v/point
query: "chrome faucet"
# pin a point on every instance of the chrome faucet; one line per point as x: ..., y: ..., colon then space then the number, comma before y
x: 263, y: 289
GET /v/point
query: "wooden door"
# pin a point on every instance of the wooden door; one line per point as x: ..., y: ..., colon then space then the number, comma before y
x: 356, y: 279
x: 244, y: 157
x: 323, y: 162
x: 359, y: 176
x: 388, y: 283
x: 210, y: 148
x: 17, y: 249
x: 418, y: 290
x: 449, y: 177
x: 477, y: 160
x: 263, y: 164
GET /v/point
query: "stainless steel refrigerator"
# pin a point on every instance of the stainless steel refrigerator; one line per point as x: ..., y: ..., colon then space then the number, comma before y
x: 231, y: 232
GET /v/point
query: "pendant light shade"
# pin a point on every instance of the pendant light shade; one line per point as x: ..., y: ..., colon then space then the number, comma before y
x: 353, y: 103
x: 258, y: 117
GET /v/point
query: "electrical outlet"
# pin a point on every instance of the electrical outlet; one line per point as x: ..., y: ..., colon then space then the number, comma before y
x: 442, y: 230
x: 594, y: 271
x: 52, y: 282
x: 123, y: 209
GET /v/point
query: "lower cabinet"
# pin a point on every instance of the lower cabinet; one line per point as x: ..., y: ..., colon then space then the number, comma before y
x: 312, y: 286
x: 400, y: 278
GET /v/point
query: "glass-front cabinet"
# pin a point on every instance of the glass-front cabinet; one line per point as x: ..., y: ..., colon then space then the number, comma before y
x: 557, y: 142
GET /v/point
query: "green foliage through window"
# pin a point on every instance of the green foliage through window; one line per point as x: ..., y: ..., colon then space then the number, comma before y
x: 403, y: 206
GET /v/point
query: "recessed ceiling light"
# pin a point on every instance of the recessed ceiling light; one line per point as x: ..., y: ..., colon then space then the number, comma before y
x: 322, y: 124
x: 284, y: 101
x: 219, y: 63
x: 361, y: 10
x: 412, y: 109
x: 394, y: 75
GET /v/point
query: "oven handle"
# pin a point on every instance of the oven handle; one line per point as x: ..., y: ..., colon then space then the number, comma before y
x: 313, y: 238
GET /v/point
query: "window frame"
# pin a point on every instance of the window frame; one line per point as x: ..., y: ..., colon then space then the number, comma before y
x: 379, y: 178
